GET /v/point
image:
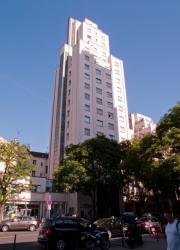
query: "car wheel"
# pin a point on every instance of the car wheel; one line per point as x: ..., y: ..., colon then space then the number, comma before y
x: 89, y: 244
x: 105, y: 244
x: 110, y: 234
x: 5, y: 228
x: 32, y: 228
x: 60, y: 244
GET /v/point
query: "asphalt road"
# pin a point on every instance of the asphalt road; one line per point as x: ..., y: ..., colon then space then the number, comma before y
x: 26, y: 240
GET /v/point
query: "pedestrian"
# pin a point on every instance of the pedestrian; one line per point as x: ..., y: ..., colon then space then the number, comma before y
x: 172, y: 231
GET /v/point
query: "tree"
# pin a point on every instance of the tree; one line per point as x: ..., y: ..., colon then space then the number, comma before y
x: 168, y: 154
x: 15, y: 169
x: 159, y: 158
x: 105, y: 174
x: 93, y: 167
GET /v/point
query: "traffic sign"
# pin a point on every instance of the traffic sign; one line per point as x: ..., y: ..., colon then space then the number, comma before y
x: 49, y: 202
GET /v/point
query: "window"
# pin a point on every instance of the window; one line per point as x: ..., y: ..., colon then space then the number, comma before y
x: 121, y: 118
x: 41, y: 163
x: 34, y: 162
x: 87, y: 85
x: 98, y: 71
x: 69, y: 92
x: 99, y: 123
x: 67, y: 136
x: 87, y: 58
x: 26, y: 218
x: 108, y: 85
x: 86, y: 66
x: 87, y: 131
x: 122, y: 129
x: 87, y: 107
x: 112, y: 137
x: 110, y: 115
x: 88, y: 36
x: 69, y: 82
x: 109, y: 94
x: 68, y: 102
x: 99, y: 91
x: 99, y: 111
x: 103, y: 44
x: 87, y: 76
x: 33, y: 173
x: 69, y: 73
x: 86, y: 119
x: 87, y: 96
x: 67, y: 124
x: 119, y: 89
x: 120, y: 98
x: 109, y: 104
x: 103, y: 38
x: 116, y: 64
x: 99, y: 133
x: 98, y: 100
x: 111, y: 126
x: 108, y: 76
x: 98, y: 81
x: 120, y: 108
x: 117, y: 72
x: 117, y: 80
x: 89, y: 30
x: 68, y: 113
x: 46, y: 169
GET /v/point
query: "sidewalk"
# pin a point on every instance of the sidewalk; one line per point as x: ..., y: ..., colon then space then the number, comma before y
x: 149, y: 244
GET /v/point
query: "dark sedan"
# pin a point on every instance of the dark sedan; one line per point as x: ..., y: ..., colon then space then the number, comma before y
x: 114, y: 225
x: 68, y: 232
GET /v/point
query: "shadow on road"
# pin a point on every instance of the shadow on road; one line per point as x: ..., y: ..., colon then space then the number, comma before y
x: 22, y: 246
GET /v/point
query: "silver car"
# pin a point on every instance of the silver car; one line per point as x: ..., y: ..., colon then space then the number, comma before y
x: 20, y: 223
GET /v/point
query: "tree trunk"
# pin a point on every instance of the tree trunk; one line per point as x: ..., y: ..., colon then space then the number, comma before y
x: 1, y: 212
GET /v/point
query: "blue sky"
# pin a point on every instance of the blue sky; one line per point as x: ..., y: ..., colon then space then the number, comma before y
x: 144, y: 34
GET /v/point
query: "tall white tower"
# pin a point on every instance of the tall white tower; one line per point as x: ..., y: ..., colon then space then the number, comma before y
x: 89, y: 94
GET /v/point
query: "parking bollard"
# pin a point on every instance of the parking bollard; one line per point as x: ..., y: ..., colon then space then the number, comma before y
x: 14, y: 245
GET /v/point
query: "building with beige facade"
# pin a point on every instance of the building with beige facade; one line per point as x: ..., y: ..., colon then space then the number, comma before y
x: 141, y: 125
x: 89, y: 94
x: 36, y: 199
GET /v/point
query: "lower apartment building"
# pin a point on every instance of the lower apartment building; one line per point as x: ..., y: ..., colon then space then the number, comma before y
x: 141, y: 125
x: 36, y: 201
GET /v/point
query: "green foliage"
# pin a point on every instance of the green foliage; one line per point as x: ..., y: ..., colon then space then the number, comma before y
x: 150, y: 165
x: 16, y: 168
x: 70, y: 175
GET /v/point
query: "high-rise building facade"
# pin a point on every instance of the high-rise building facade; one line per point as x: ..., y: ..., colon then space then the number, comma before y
x: 89, y: 94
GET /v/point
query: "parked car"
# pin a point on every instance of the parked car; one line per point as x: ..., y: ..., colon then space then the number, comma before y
x: 45, y: 230
x: 129, y: 217
x: 70, y: 232
x: 145, y: 223
x: 113, y: 225
x: 20, y: 223
x: 159, y: 216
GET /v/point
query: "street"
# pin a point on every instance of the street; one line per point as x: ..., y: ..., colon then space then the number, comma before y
x: 28, y: 241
